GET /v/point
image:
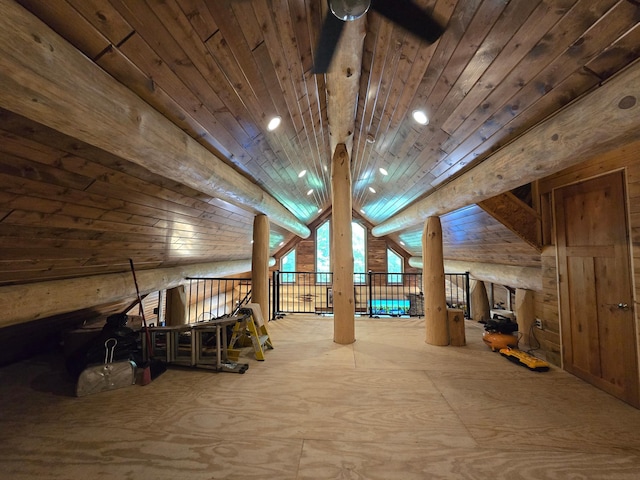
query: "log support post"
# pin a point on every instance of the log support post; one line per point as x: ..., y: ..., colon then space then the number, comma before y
x: 435, y: 300
x: 342, y: 249
x: 176, y: 313
x: 480, y: 309
x: 524, y: 312
x: 260, y: 263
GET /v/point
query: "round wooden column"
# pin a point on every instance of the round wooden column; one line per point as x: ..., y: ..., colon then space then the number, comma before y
x: 260, y: 263
x: 479, y: 301
x: 525, y: 312
x: 344, y: 310
x: 435, y: 300
x: 176, y: 306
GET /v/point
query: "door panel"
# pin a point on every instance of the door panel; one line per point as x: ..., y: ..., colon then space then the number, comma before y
x: 582, y: 315
x: 598, y: 332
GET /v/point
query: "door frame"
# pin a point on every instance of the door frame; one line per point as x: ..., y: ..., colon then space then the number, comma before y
x: 635, y: 306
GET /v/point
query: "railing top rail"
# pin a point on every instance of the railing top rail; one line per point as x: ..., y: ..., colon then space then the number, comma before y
x: 370, y: 272
x: 219, y: 278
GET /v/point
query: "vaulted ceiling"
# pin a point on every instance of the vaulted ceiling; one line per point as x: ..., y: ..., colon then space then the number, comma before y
x: 220, y: 70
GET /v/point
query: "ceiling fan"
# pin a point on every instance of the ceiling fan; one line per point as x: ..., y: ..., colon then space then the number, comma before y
x: 404, y: 13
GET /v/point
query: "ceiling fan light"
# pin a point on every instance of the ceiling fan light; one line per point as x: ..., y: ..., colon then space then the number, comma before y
x: 274, y: 123
x: 420, y: 117
x: 349, y: 10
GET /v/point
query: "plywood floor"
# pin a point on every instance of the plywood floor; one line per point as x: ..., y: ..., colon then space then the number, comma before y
x: 387, y: 407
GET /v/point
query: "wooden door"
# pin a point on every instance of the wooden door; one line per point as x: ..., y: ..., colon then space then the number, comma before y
x: 596, y: 301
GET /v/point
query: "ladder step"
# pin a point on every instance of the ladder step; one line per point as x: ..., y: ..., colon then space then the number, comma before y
x: 257, y: 335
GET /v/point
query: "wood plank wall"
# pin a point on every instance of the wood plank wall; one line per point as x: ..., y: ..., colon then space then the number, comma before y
x: 626, y: 158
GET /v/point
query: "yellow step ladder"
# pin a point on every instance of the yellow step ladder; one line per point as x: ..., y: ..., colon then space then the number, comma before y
x: 252, y: 327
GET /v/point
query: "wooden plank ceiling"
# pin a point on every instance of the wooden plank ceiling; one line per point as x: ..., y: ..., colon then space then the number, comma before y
x: 221, y: 69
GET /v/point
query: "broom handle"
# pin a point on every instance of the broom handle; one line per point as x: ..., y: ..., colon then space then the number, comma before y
x: 144, y: 320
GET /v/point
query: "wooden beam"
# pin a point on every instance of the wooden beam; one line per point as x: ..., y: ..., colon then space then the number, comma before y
x: 47, y: 80
x: 599, y: 121
x: 528, y: 278
x: 23, y: 303
x: 517, y: 216
x: 343, y: 84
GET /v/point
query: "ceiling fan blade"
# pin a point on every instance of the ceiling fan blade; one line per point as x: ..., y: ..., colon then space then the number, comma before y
x: 411, y: 17
x: 329, y: 37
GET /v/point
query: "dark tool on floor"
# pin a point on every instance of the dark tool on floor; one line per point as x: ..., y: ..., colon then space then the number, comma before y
x: 152, y: 367
x: 109, y: 375
x: 404, y: 13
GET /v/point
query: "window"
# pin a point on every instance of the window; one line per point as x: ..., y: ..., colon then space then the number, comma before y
x: 359, y: 244
x: 323, y: 253
x: 394, y: 267
x: 288, y: 264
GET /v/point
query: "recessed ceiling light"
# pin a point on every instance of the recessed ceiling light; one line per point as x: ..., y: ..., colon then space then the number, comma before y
x: 401, y: 243
x: 383, y: 171
x: 362, y: 211
x: 372, y: 190
x: 281, y: 243
x: 370, y: 139
x: 420, y: 117
x: 274, y: 123
x: 319, y: 210
x: 310, y: 192
x: 302, y: 173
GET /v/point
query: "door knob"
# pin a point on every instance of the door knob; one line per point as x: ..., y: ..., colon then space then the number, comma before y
x: 623, y: 306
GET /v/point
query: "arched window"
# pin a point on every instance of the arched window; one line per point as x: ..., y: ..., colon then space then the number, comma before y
x: 323, y: 252
x: 395, y: 265
x: 288, y: 264
x: 359, y: 244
